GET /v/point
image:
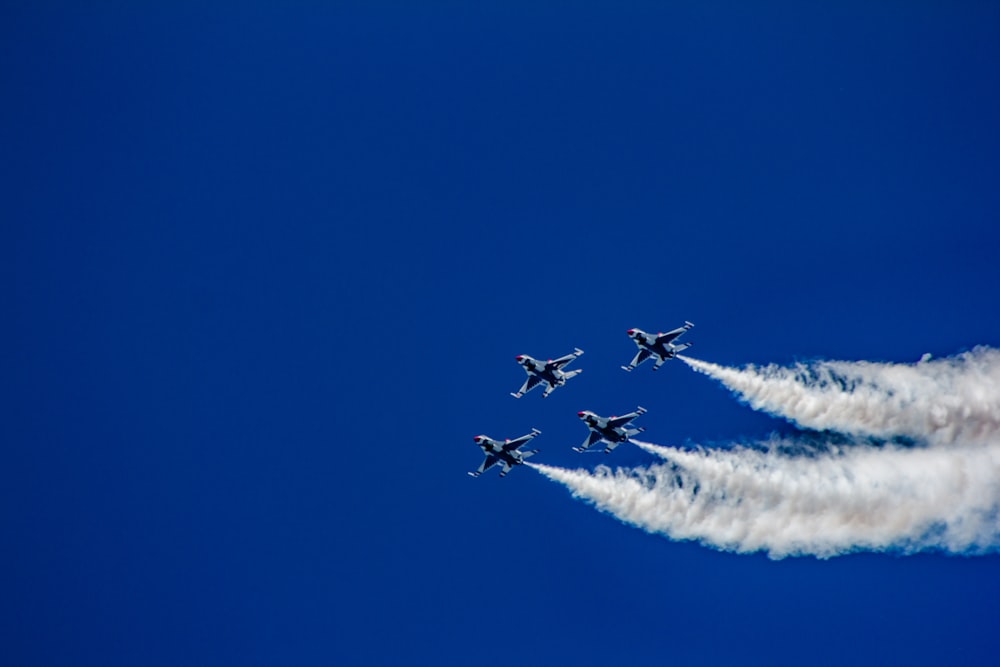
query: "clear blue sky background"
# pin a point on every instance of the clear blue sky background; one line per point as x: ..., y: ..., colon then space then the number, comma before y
x: 266, y: 269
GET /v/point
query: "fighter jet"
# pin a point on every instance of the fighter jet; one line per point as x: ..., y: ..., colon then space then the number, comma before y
x: 548, y: 372
x: 506, y: 452
x: 612, y: 430
x: 659, y: 345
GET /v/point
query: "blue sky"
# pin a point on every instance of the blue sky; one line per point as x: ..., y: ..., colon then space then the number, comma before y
x: 267, y: 269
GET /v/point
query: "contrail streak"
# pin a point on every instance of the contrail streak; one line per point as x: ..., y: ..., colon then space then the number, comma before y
x: 785, y: 497
x: 848, y: 499
x: 956, y: 399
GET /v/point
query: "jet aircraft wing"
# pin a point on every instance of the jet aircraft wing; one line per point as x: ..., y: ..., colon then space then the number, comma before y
x: 615, y: 422
x: 591, y: 440
x: 670, y: 335
x: 562, y: 361
x: 665, y: 338
x: 640, y: 357
x: 488, y: 462
x: 529, y: 384
x: 517, y: 442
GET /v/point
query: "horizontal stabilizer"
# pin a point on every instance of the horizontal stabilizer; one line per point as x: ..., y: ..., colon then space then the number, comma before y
x: 473, y: 474
x: 627, y: 368
x: 516, y: 394
x: 641, y: 410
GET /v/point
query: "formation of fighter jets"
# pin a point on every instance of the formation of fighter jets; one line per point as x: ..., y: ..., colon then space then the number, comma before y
x: 612, y: 431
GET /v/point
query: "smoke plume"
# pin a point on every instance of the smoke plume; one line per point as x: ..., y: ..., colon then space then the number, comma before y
x: 793, y: 497
x: 956, y: 399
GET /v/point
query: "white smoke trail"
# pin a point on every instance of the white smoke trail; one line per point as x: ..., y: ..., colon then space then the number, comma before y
x: 847, y: 499
x: 785, y: 498
x: 952, y: 400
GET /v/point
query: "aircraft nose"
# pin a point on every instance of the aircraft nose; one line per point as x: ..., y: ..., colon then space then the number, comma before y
x: 631, y: 331
x: 580, y: 414
x: 519, y: 357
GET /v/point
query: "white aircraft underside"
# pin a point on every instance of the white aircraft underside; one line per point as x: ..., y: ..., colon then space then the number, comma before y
x: 505, y: 452
x: 613, y: 431
x: 658, y: 346
x: 550, y: 373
